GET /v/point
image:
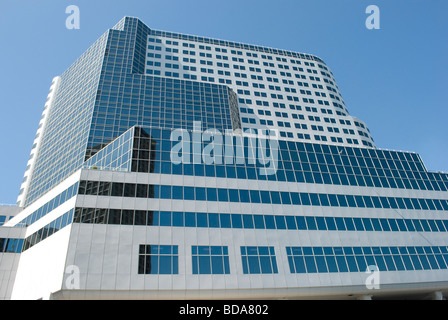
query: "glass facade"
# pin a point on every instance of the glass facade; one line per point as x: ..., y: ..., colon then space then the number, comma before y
x: 304, y: 163
x: 127, y: 97
x: 116, y: 155
x: 106, y: 92
x: 66, y: 133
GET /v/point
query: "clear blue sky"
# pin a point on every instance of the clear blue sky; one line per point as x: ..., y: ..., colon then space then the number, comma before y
x: 394, y: 79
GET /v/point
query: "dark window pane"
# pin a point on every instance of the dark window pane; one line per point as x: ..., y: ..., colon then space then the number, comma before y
x: 114, y: 216
x: 142, y: 191
x: 117, y: 189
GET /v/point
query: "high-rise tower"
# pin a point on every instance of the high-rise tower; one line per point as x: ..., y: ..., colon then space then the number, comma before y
x: 175, y: 166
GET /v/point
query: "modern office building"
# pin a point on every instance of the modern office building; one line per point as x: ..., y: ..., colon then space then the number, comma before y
x: 171, y: 166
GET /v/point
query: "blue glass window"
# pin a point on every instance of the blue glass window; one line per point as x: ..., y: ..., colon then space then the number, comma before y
x: 331, y: 224
x: 202, y: 221
x: 296, y: 260
x: 340, y: 224
x: 158, y: 259
x: 210, y: 260
x: 291, y: 223
x: 311, y: 223
x: 257, y: 260
x: 190, y: 219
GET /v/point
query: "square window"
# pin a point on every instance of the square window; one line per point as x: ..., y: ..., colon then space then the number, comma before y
x: 158, y: 259
x: 258, y: 260
x: 210, y: 260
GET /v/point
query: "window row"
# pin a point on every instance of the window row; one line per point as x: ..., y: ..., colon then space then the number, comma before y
x: 253, y: 221
x: 231, y: 44
x: 9, y: 245
x: 49, y: 206
x: 164, y: 259
x: 186, y: 75
x: 358, y: 259
x: 224, y: 57
x: 312, y: 163
x: 303, y: 172
x: 48, y: 230
x: 118, y: 189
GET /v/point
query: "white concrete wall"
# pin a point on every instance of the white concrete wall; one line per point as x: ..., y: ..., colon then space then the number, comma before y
x: 107, y: 255
x: 41, y: 268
